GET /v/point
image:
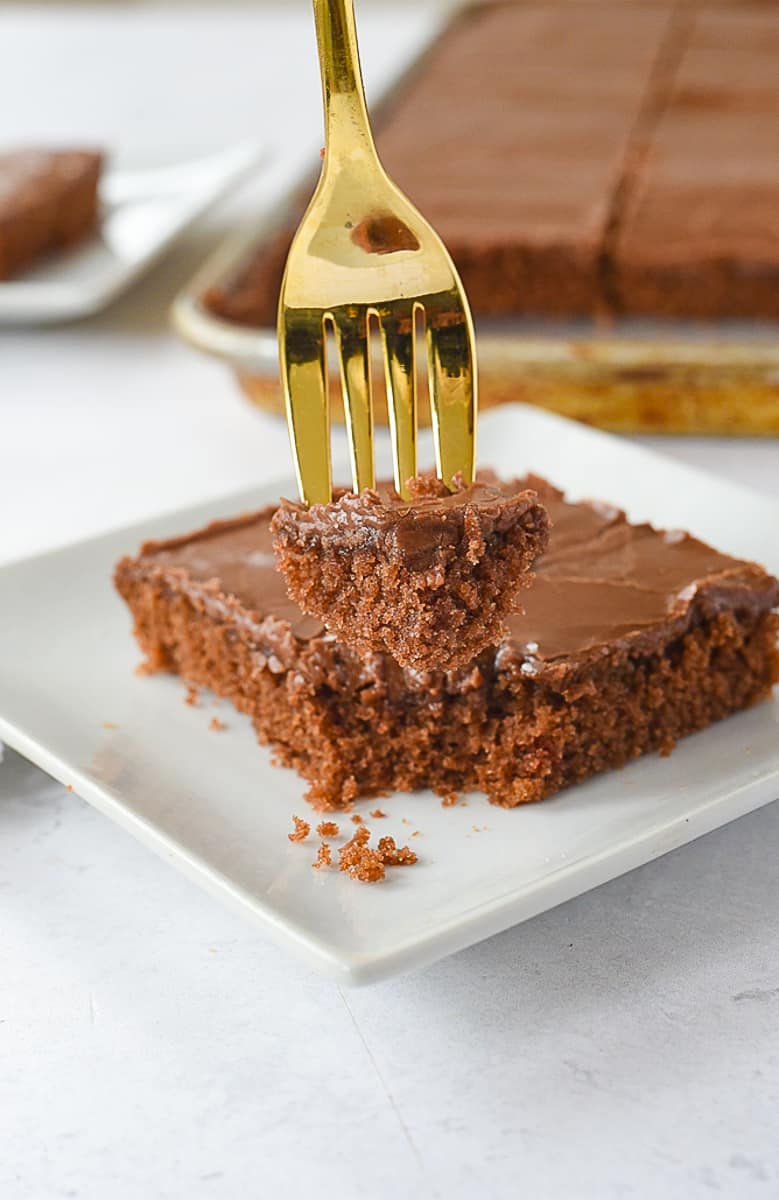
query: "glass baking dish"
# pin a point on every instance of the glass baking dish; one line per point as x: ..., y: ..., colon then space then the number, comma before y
x: 636, y: 376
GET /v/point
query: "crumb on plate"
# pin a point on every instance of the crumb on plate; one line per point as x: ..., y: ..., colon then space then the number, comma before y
x: 349, y: 852
x: 395, y: 856
x: 368, y: 866
x: 361, y: 861
x: 301, y: 831
x: 323, y: 857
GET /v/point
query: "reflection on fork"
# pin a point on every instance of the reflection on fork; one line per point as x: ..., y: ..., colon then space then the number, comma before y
x: 364, y: 258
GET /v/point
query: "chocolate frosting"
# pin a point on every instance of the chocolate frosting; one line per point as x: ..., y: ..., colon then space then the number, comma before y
x: 26, y: 176
x: 602, y: 584
x: 527, y: 118
x: 709, y: 188
x: 414, y: 527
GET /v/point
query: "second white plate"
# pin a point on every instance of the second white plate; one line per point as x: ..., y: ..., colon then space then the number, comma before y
x: 143, y: 211
x: 213, y: 804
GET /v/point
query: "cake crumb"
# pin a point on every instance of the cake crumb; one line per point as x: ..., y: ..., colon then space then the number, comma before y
x: 216, y: 725
x: 416, y: 833
x: 449, y: 800
x: 356, y: 819
x: 395, y: 856
x: 69, y: 787
x: 109, y: 725
x: 378, y: 814
x: 327, y: 829
x: 350, y: 852
x: 323, y: 857
x: 301, y: 831
x: 192, y: 696
x: 360, y: 860
x: 369, y: 866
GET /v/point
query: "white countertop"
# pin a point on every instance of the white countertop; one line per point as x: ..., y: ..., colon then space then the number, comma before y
x: 623, y: 1045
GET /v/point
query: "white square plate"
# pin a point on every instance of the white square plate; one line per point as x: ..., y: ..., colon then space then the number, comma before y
x: 142, y: 212
x: 212, y: 803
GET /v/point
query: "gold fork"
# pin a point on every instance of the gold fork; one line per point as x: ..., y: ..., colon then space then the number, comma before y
x: 363, y: 255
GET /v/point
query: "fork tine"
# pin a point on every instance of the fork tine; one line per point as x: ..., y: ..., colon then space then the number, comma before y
x: 398, y: 340
x: 351, y: 333
x: 453, y: 397
x: 304, y: 378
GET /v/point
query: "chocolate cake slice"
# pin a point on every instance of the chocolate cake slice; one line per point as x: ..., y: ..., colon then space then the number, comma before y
x: 431, y: 581
x: 631, y: 638
x: 48, y: 201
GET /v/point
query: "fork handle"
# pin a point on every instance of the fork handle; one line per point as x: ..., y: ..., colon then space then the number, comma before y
x: 346, y: 114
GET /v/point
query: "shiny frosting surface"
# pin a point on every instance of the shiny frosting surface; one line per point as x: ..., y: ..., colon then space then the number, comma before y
x: 601, y: 583
x: 414, y: 528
